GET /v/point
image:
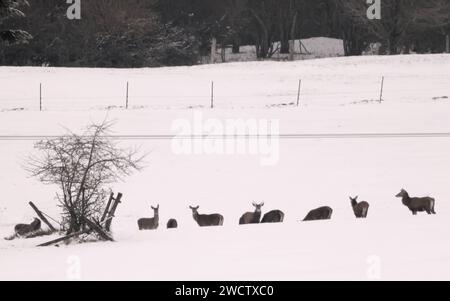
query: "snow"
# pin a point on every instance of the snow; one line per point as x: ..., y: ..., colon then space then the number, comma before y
x: 390, y: 245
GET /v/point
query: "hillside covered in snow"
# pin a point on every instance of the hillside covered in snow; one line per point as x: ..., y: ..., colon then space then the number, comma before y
x: 341, y: 141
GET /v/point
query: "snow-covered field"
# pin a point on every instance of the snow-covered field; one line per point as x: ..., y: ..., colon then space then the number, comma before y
x: 338, y: 97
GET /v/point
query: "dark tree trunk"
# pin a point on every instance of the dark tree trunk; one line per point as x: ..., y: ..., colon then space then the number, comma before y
x: 262, y: 44
x: 74, y: 226
x: 263, y: 51
x: 352, y: 43
x: 236, y: 45
x: 292, y: 37
x: 284, y: 40
x: 447, y: 43
x: 284, y: 46
x: 393, y: 44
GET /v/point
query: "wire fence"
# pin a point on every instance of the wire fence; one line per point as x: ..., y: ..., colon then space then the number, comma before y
x: 223, y: 93
x: 303, y: 136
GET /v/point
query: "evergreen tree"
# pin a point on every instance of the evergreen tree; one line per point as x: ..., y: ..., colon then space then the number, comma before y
x: 10, y: 9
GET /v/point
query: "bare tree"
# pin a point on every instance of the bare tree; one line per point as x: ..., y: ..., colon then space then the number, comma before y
x: 398, y: 19
x: 276, y: 19
x: 235, y: 13
x: 288, y: 15
x: 264, y: 17
x: 82, y: 166
x: 341, y: 22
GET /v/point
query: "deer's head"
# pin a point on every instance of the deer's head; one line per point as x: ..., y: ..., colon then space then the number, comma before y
x: 194, y: 209
x: 354, y: 200
x: 401, y: 194
x: 155, y: 210
x: 258, y: 206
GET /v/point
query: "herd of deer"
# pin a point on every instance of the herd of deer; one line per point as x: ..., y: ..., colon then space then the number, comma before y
x: 360, y: 210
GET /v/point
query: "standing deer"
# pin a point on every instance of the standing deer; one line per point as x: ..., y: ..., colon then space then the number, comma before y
x: 252, y: 217
x: 360, y: 209
x: 321, y: 213
x: 150, y: 223
x: 204, y: 220
x: 275, y: 216
x: 417, y: 204
x: 172, y: 224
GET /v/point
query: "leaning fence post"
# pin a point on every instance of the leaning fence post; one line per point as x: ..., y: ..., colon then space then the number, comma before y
x: 382, y: 87
x: 113, y: 211
x: 42, y: 217
x: 108, y: 206
x: 299, y: 91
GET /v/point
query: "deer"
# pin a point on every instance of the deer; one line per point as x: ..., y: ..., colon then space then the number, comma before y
x: 360, y: 209
x: 417, y: 204
x: 274, y: 216
x: 252, y: 217
x: 172, y: 224
x: 322, y: 213
x: 150, y: 223
x: 25, y: 230
x: 204, y: 220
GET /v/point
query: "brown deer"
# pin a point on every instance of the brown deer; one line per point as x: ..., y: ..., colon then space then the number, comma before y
x: 27, y: 229
x: 275, y: 216
x: 150, y: 223
x: 172, y: 224
x: 360, y: 209
x: 204, y: 220
x: 417, y: 204
x: 322, y: 213
x: 252, y: 217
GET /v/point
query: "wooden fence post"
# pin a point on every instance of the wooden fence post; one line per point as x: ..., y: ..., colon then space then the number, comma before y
x: 382, y: 87
x: 42, y: 217
x: 55, y: 241
x: 105, y: 213
x: 299, y: 91
x: 128, y: 87
x: 113, y: 211
x: 212, y: 95
x: 97, y: 229
x: 40, y: 96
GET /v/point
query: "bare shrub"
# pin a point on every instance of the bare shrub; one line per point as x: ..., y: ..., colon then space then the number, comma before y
x: 82, y: 166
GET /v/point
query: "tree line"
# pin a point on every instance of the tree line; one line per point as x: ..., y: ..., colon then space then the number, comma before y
x: 147, y: 33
